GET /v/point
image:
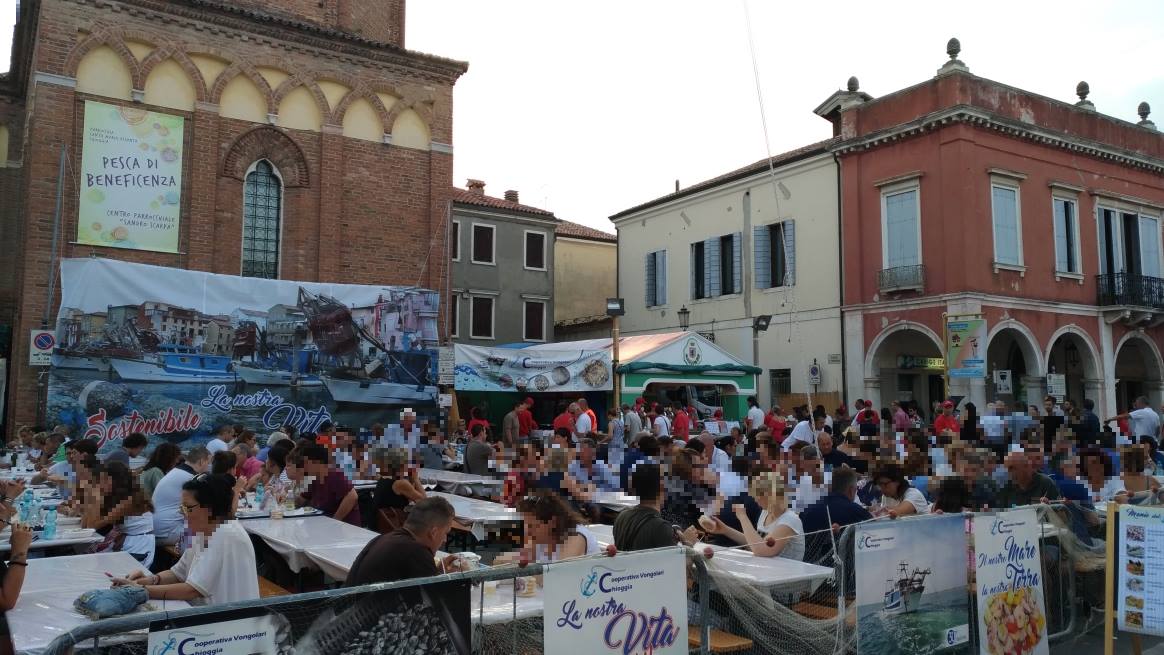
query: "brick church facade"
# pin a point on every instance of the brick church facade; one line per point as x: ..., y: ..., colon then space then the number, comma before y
x: 357, y: 129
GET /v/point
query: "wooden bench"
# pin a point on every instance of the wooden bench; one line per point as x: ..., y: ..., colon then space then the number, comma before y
x: 267, y: 589
x: 721, y: 642
x: 814, y: 611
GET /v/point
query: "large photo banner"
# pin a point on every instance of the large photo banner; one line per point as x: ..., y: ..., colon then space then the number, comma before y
x: 1012, y: 617
x: 176, y: 354
x: 635, y: 604
x: 911, y: 586
x: 1140, y: 564
x: 966, y: 348
x: 531, y: 369
x: 131, y: 178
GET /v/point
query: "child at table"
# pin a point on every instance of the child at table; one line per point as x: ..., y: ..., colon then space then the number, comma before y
x: 118, y: 508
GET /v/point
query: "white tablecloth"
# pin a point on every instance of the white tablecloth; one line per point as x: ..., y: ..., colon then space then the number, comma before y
x: 615, y: 500
x: 481, y: 515
x: 335, y: 561
x: 461, y: 483
x: 742, y: 564
x: 45, y: 608
x: 291, y: 537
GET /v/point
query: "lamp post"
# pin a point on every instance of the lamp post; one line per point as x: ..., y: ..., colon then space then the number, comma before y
x: 684, y: 318
x: 614, y: 309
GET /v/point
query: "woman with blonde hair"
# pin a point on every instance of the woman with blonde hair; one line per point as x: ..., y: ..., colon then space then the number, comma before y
x: 778, y: 532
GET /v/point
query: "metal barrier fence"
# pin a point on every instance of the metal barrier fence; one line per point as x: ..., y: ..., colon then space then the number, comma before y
x: 728, y: 605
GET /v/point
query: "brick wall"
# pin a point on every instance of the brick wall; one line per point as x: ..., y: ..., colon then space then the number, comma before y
x: 354, y: 211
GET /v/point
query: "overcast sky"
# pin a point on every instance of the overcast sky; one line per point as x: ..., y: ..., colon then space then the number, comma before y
x: 588, y: 108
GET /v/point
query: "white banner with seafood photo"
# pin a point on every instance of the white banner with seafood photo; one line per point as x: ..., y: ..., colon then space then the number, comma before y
x: 531, y: 370
x: 176, y: 353
x: 1008, y: 567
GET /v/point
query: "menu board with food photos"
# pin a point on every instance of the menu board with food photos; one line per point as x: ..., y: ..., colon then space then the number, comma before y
x: 1140, y: 557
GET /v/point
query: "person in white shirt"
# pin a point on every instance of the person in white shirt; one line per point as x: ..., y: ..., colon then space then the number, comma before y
x: 220, y: 442
x: 755, y: 418
x: 1145, y: 422
x: 778, y: 532
x: 662, y: 427
x: 582, y: 424
x: 898, y: 497
x: 805, y: 431
x: 719, y: 460
x: 220, y: 567
x: 169, y: 524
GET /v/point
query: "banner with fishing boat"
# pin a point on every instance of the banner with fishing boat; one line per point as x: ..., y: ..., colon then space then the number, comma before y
x: 176, y: 353
x: 527, y: 370
x: 911, y: 586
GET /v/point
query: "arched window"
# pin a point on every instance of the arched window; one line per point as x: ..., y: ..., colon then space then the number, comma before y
x: 262, y: 215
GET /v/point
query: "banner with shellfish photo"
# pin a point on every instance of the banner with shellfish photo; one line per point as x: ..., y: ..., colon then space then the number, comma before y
x: 529, y: 370
x: 131, y: 178
x: 1012, y: 617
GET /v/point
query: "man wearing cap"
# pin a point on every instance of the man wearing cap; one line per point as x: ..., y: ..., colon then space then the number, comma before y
x: 946, y: 421
x: 525, y: 420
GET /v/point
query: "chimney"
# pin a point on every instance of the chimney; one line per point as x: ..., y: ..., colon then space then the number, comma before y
x: 511, y: 195
x: 476, y: 186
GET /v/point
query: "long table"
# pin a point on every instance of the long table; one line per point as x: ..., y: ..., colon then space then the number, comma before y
x: 759, y: 571
x: 293, y: 537
x: 45, y: 611
x: 461, y: 483
x: 481, y: 516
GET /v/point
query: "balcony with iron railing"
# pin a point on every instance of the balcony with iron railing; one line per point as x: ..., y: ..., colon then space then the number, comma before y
x: 1131, y: 290
x: 901, y: 278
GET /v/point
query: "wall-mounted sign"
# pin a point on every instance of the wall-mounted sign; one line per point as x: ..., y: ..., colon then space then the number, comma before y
x: 1057, y: 385
x: 966, y: 348
x: 40, y: 348
x: 1003, y: 382
x: 909, y: 361
x: 814, y: 373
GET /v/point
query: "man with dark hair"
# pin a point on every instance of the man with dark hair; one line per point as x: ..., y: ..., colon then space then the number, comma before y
x: 511, y: 425
x: 1089, y: 427
x: 131, y: 447
x: 838, y: 507
x: 330, y: 491
x: 1144, y: 420
x: 477, y: 453
x: 525, y: 419
x: 681, y: 425
x: 408, y: 552
x: 754, y: 420
x: 642, y: 527
x: 64, y: 474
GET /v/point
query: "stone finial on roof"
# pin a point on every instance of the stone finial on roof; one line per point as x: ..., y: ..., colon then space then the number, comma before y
x: 953, y: 49
x: 1083, y: 89
x: 1143, y: 110
x: 854, y: 84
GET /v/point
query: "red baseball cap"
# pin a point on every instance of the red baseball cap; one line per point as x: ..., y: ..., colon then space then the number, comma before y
x: 528, y: 400
x: 949, y: 404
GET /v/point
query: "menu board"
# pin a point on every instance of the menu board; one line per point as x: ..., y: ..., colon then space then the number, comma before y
x: 1140, y: 553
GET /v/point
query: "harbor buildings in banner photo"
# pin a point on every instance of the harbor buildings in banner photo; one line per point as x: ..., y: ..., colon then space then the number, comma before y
x: 967, y: 197
x: 502, y: 256
x: 299, y: 141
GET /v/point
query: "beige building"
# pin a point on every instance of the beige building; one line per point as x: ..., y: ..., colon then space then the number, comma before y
x: 584, y: 277
x: 746, y: 244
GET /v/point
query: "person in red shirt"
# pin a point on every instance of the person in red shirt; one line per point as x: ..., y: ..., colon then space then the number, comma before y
x: 946, y: 420
x: 774, y: 421
x: 564, y: 420
x: 476, y: 418
x: 525, y: 420
x: 681, y: 425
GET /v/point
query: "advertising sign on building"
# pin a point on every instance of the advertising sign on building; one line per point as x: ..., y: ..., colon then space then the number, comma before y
x: 911, y: 586
x: 527, y: 370
x: 1057, y: 385
x: 131, y: 178
x: 40, y: 348
x: 966, y: 348
x: 1003, y: 382
x: 222, y: 634
x: 1140, y: 557
x: 175, y: 354
x: 635, y: 604
x: 1012, y: 617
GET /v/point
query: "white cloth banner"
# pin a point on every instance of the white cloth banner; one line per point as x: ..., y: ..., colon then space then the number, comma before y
x: 1011, y: 614
x: 253, y: 636
x: 633, y: 604
x: 524, y: 370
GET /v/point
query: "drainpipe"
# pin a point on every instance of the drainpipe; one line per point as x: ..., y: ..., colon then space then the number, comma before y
x: 841, y: 286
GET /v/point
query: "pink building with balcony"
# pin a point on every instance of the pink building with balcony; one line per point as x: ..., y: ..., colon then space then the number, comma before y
x: 961, y: 195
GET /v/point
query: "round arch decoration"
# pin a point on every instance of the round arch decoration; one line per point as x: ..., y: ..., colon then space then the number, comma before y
x: 1029, y: 344
x: 1091, y: 365
x: 268, y: 143
x: 901, y: 326
x: 1158, y: 362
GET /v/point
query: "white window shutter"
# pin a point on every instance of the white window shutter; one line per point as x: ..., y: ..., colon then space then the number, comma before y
x: 737, y: 263
x: 711, y: 267
x: 1061, y: 228
x: 661, y: 278
x: 1005, y: 206
x: 789, y: 228
x: 649, y: 284
x: 1149, y: 247
x: 901, y: 229
x: 762, y: 259
x: 692, y: 255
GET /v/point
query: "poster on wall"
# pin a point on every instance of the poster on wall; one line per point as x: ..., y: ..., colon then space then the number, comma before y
x: 1140, y: 557
x: 131, y: 178
x: 911, y: 587
x: 966, y: 348
x: 1012, y: 617
x: 1002, y: 382
x: 176, y: 354
x: 431, y: 619
x: 531, y: 370
x: 1057, y: 386
x: 635, y: 604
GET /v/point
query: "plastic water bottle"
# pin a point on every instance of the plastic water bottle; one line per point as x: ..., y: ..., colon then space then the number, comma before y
x: 260, y: 494
x: 24, y: 506
x: 50, y: 524
x: 36, y: 513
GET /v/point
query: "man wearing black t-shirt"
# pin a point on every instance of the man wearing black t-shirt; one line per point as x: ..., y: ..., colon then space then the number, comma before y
x: 408, y: 552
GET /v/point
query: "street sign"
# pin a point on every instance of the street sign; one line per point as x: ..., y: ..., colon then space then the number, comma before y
x: 814, y: 373
x: 40, y: 348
